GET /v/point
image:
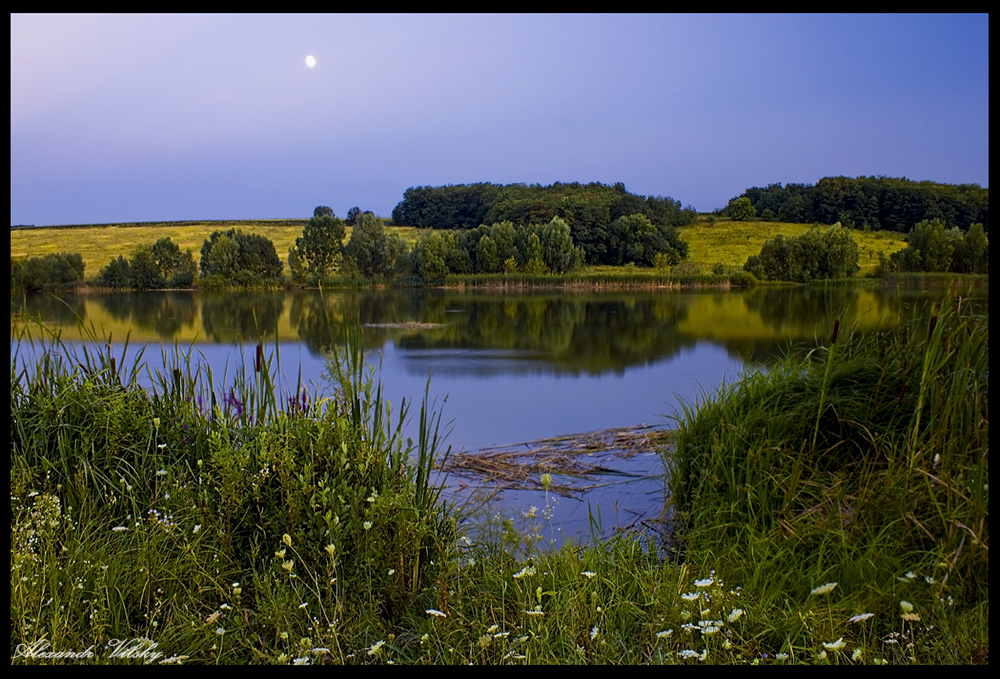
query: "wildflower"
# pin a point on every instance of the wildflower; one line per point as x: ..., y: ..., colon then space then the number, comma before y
x: 161, y: 446
x: 280, y: 554
x: 220, y: 631
x: 546, y: 480
x: 527, y: 570
x: 859, y: 617
x: 910, y: 617
x: 824, y: 589
x: 536, y: 612
x: 858, y: 652
x: 161, y: 472
x: 303, y: 604
x: 287, y: 565
x: 301, y: 661
x: 781, y: 656
x: 212, y: 618
x: 664, y: 634
x: 196, y: 528
x: 224, y: 607
x: 330, y: 549
x: 735, y: 615
x: 156, y: 423
x: 530, y: 514
x: 367, y: 525
x: 709, y: 630
x: 821, y: 655
x: 835, y: 645
x: 929, y: 579
x: 424, y: 638
x: 593, y: 632
x: 376, y: 647
x: 906, y: 606
x: 588, y: 574
x: 436, y: 613
x: 287, y: 539
x: 119, y: 529
x: 687, y: 653
x: 690, y: 596
x: 703, y: 583
x: 493, y: 629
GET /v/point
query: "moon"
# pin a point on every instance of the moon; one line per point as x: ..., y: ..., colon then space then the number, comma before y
x: 310, y: 61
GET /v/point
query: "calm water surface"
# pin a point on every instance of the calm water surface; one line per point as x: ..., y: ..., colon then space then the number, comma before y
x: 504, y: 368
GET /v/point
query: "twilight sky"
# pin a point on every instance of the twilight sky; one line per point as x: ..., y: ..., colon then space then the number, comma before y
x: 170, y: 117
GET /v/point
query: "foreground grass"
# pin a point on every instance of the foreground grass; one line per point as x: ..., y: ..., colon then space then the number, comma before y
x: 243, y: 527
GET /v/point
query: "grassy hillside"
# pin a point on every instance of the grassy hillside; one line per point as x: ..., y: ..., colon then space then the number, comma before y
x: 710, y: 242
x: 731, y: 242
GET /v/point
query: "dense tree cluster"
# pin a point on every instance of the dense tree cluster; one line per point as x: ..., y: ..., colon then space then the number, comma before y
x: 588, y: 209
x: 930, y: 246
x: 500, y: 248
x: 317, y: 253
x: 242, y: 258
x: 373, y: 251
x: 161, y: 265
x: 816, y: 254
x: 874, y: 202
x: 47, y: 272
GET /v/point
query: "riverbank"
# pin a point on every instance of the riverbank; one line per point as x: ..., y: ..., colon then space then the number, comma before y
x: 262, y: 527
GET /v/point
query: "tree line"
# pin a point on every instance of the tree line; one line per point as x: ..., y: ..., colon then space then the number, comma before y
x: 588, y: 209
x: 893, y: 204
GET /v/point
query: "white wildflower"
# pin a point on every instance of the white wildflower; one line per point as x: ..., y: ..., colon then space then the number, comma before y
x: 835, y: 645
x: 824, y: 589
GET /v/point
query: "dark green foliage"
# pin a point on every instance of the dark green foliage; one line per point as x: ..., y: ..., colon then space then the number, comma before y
x: 634, y: 239
x: 352, y: 216
x: 873, y: 202
x: 375, y: 252
x: 816, y: 254
x: 931, y: 247
x: 317, y: 252
x: 588, y: 210
x: 240, y: 257
x: 741, y: 209
x: 323, y: 211
x: 48, y: 272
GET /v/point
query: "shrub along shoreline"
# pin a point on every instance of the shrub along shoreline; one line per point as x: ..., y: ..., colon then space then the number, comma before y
x: 833, y: 510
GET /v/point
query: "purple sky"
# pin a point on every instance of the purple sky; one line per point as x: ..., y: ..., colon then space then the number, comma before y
x: 145, y: 117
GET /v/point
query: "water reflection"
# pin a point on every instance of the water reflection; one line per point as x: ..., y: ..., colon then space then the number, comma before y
x: 488, y: 332
x: 512, y: 367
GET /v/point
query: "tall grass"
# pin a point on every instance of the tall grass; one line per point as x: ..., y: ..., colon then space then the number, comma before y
x: 864, y: 463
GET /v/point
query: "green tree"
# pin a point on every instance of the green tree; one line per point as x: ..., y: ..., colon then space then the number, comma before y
x: 429, y: 257
x: 117, y: 274
x: 318, y: 251
x: 352, y: 216
x: 972, y: 254
x: 323, y: 211
x: 487, y: 260
x: 741, y: 210
x: 376, y: 253
x: 144, y: 269
x: 560, y: 255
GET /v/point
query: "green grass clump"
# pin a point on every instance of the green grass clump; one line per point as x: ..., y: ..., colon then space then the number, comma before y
x: 864, y: 463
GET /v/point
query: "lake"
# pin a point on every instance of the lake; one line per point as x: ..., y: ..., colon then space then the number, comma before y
x: 508, y: 368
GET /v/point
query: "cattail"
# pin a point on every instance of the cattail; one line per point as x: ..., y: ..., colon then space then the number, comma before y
x: 930, y: 327
x: 836, y: 329
x: 258, y: 357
